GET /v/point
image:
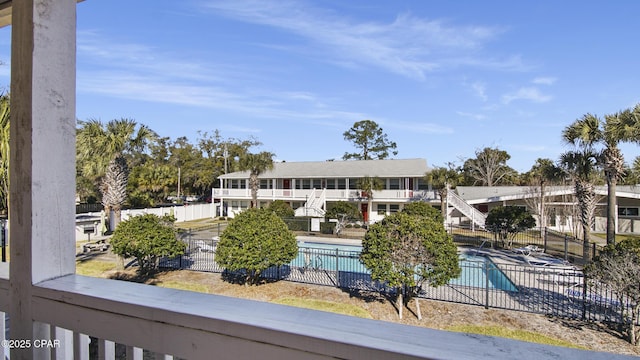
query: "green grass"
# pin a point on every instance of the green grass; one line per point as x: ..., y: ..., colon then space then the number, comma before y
x: 321, y: 305
x: 94, y: 268
x: 182, y: 286
x: 515, y: 334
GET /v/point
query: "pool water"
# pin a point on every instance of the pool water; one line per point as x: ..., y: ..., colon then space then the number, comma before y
x: 475, y: 269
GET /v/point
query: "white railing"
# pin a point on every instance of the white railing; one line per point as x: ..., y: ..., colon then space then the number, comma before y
x: 330, y: 194
x: 475, y: 215
x: 189, y: 325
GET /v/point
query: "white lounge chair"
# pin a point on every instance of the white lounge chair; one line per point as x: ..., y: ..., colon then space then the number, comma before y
x: 548, y: 263
x: 204, y: 247
x: 528, y: 250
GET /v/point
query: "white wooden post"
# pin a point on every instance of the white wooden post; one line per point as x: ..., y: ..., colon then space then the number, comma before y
x: 42, y: 139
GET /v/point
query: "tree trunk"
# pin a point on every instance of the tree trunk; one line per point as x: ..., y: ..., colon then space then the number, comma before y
x: 399, y: 301
x: 633, y: 338
x: 418, y: 308
x: 611, y: 210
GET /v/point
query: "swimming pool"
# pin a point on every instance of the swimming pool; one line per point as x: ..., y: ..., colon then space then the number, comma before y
x: 476, y: 270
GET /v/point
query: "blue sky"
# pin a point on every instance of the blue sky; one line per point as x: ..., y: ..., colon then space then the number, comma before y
x: 442, y: 78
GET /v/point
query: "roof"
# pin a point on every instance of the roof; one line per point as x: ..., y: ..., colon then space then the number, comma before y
x: 485, y: 194
x: 341, y: 169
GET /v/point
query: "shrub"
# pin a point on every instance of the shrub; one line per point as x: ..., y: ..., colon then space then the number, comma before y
x: 147, y: 238
x: 254, y: 241
x: 282, y: 209
x: 327, y: 227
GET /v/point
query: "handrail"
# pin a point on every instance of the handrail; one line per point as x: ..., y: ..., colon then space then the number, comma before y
x: 466, y: 209
x: 194, y: 325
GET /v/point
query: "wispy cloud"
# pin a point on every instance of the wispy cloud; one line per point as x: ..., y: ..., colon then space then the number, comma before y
x: 136, y: 72
x: 472, y: 116
x: 405, y: 45
x: 544, y: 80
x: 479, y: 89
x: 526, y: 93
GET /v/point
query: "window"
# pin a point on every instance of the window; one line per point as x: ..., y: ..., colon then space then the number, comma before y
x: 238, y: 184
x: 422, y: 184
x: 265, y: 184
x: 394, y: 208
x: 628, y: 211
x: 353, y: 183
x: 303, y: 184
x: 317, y: 184
x: 394, y: 184
x: 342, y: 184
x: 382, y: 209
x: 331, y: 184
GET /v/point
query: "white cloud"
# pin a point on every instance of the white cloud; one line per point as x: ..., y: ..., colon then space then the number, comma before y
x: 407, y: 45
x: 526, y: 93
x: 480, y: 90
x: 471, y: 115
x: 544, y: 80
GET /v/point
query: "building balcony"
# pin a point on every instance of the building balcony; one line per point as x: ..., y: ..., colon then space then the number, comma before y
x: 331, y: 195
x: 174, y: 323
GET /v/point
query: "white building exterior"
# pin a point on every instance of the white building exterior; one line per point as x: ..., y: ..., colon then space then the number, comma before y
x: 310, y: 187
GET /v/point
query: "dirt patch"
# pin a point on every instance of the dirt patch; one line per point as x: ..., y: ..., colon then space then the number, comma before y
x: 435, y: 314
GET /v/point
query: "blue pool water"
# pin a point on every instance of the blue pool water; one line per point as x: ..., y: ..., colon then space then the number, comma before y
x: 476, y: 270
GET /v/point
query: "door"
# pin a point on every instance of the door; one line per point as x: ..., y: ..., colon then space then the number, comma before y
x: 365, y: 213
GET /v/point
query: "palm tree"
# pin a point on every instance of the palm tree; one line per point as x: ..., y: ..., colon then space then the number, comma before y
x: 102, y: 150
x: 444, y: 178
x: 368, y: 185
x: 4, y: 152
x: 582, y: 167
x: 589, y: 131
x: 256, y: 164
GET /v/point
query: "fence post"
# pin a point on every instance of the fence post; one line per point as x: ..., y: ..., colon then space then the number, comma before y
x: 593, y: 251
x: 337, y: 268
x: 486, y: 285
x: 566, y: 246
x: 544, y: 237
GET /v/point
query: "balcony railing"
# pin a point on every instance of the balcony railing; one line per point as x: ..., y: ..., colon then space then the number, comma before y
x: 189, y: 325
x: 331, y: 195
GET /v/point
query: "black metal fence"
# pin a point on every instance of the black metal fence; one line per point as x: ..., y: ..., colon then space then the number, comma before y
x: 554, y: 243
x: 490, y: 282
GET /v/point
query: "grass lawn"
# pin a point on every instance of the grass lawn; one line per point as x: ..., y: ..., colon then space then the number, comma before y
x: 329, y: 306
x: 515, y: 334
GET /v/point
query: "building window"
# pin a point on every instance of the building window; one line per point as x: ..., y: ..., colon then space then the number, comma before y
x: 394, y: 184
x: 382, y: 209
x: 342, y: 184
x: 422, y: 184
x: 628, y: 211
x: 303, y: 184
x: 331, y: 184
x: 238, y: 184
x: 265, y: 184
x: 394, y: 208
x: 353, y: 183
x: 234, y: 205
x: 317, y: 184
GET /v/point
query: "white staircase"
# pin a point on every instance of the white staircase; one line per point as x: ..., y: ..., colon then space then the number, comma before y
x: 315, y: 205
x: 475, y: 215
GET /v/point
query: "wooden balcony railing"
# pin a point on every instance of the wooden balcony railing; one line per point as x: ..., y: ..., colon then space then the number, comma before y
x: 189, y: 325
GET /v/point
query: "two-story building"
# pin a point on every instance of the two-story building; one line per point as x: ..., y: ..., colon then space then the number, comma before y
x: 310, y: 187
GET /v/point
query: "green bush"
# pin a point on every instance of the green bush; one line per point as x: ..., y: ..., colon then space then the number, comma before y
x: 254, y: 241
x: 327, y: 227
x: 147, y: 238
x: 282, y: 209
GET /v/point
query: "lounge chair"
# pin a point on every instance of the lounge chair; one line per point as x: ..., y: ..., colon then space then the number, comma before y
x: 528, y: 250
x: 204, y: 247
x: 548, y: 263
